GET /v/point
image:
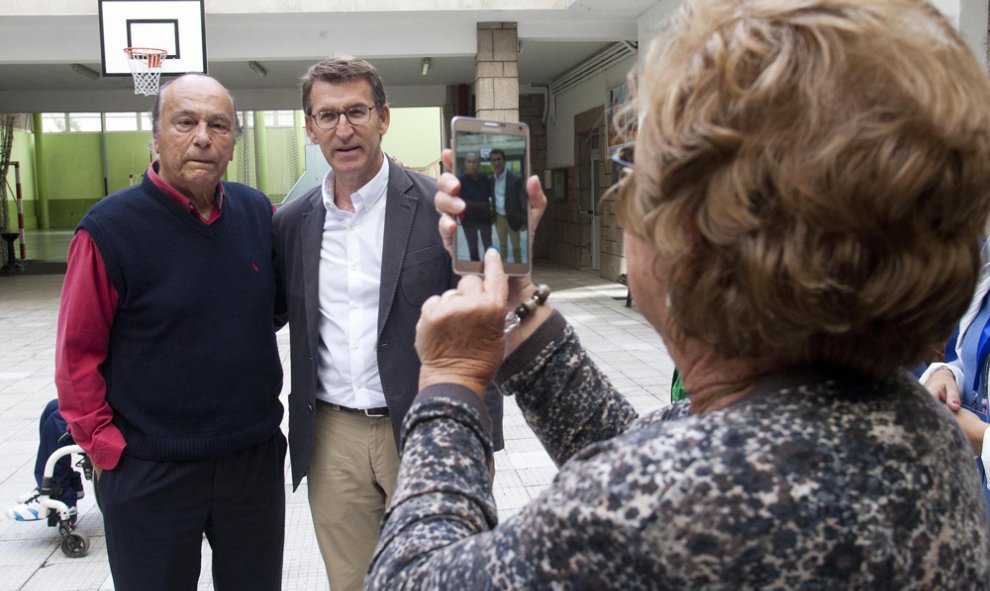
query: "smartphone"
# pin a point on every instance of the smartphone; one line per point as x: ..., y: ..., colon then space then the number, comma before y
x: 491, y: 160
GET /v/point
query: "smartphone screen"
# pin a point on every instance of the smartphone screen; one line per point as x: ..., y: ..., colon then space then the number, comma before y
x: 491, y: 161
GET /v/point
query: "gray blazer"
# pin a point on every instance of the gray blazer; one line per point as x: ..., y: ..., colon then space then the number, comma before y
x: 415, y: 266
x: 516, y: 199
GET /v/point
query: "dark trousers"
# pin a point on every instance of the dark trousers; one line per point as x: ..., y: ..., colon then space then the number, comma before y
x: 53, y: 434
x: 156, y: 513
x: 471, y: 231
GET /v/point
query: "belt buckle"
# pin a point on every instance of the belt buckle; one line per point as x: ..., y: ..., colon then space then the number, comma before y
x: 372, y: 415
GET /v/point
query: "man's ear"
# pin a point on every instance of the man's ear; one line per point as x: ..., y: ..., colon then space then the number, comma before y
x: 383, y: 119
x: 309, y: 129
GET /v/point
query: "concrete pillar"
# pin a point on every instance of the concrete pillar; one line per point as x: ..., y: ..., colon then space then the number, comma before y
x: 261, y: 151
x: 41, y: 183
x: 496, y: 72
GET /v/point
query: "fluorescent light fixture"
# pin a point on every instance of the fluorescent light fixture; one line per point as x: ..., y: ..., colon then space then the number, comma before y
x: 426, y: 66
x: 258, y: 69
x: 84, y: 71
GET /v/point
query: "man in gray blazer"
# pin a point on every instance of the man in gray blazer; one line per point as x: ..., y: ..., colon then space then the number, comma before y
x: 511, y: 203
x: 357, y: 257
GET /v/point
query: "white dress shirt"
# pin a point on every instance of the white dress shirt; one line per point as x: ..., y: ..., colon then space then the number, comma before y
x: 350, y: 277
x: 500, y: 193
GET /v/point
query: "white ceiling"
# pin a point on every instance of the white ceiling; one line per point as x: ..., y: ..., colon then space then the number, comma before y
x: 37, y: 50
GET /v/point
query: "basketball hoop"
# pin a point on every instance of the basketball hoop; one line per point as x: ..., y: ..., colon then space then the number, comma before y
x: 146, y: 66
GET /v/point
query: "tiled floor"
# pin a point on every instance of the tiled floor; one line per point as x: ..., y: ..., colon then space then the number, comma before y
x: 617, y: 337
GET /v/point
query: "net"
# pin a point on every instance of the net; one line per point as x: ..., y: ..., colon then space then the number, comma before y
x: 146, y: 67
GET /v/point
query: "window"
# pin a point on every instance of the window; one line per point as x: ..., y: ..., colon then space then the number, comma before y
x: 54, y: 122
x: 280, y: 119
x: 272, y: 118
x: 90, y: 122
x: 123, y: 121
x: 85, y: 122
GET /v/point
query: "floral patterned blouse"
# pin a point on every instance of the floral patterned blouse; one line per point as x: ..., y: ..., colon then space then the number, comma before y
x: 817, y: 481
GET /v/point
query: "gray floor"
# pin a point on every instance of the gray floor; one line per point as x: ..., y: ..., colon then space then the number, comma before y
x: 618, y: 338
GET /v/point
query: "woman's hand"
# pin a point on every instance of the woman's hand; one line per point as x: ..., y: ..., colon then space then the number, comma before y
x: 942, y: 385
x: 460, y: 336
x: 519, y: 288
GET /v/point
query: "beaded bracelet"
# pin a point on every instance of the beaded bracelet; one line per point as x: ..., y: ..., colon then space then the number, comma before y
x: 515, y: 317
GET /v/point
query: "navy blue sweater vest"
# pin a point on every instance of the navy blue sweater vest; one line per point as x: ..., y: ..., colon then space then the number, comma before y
x: 193, y: 370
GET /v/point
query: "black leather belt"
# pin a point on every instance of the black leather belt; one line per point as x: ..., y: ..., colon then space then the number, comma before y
x: 381, y: 411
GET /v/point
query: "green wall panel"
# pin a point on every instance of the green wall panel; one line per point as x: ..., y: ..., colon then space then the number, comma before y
x: 66, y: 213
x: 413, y: 135
x: 23, y: 151
x: 128, y: 155
x: 72, y: 164
x: 283, y: 156
x: 73, y: 168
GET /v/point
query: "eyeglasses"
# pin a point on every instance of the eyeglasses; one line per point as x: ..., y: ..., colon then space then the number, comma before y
x: 356, y: 115
x: 624, y: 155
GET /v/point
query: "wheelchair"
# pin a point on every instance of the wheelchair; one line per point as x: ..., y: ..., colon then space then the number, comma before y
x: 74, y: 544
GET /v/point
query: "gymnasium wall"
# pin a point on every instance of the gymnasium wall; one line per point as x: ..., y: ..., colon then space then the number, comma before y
x: 71, y: 163
x: 22, y: 151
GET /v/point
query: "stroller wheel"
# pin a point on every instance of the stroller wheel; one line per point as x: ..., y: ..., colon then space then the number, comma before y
x: 75, y: 545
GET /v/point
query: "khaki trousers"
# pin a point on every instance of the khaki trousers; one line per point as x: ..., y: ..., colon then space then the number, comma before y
x: 351, y: 480
x: 506, y: 236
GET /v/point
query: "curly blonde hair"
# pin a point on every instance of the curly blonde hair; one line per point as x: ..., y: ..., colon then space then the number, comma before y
x: 816, y: 175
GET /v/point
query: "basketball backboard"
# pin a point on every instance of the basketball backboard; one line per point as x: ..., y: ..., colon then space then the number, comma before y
x: 177, y: 26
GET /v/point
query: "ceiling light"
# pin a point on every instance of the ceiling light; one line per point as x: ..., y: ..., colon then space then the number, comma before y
x: 87, y: 72
x: 258, y: 69
x: 426, y: 66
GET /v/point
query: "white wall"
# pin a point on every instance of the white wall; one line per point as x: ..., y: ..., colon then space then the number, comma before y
x: 648, y: 24
x: 970, y: 18
x: 594, y: 92
x: 589, y: 94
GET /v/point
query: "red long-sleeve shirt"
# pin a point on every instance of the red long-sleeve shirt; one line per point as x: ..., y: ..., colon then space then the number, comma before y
x: 82, y: 341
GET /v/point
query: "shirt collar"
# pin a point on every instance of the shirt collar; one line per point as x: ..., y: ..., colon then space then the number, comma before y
x: 364, y: 198
x: 183, y: 201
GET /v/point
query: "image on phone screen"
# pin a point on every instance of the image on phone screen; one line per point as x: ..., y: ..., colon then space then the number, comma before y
x: 492, y: 169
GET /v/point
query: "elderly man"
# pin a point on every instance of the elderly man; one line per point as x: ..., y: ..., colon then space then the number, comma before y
x: 167, y: 369
x: 476, y: 191
x: 359, y: 255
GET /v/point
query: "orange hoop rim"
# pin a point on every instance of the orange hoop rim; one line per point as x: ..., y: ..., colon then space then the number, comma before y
x: 138, y: 52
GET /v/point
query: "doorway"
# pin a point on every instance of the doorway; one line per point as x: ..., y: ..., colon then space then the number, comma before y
x: 594, y: 197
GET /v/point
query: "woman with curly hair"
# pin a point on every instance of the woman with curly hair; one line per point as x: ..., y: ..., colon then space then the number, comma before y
x: 802, y: 220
